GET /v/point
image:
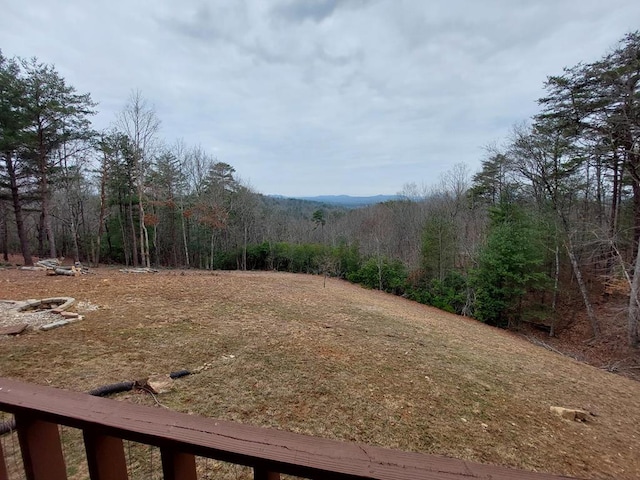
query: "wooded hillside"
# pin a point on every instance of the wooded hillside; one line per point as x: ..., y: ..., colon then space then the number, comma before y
x: 553, y: 215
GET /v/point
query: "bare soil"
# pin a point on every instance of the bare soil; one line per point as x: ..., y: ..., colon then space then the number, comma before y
x: 284, y: 351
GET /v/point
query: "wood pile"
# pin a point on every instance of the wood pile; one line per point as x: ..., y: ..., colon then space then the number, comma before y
x: 49, y: 263
x: 53, y: 266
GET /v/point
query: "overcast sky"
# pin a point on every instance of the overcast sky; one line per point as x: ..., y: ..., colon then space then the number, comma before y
x: 314, y: 97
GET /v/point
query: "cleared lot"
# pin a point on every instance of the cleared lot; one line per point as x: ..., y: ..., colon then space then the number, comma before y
x: 340, y: 362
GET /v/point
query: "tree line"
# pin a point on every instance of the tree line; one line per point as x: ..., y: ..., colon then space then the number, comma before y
x: 551, y: 219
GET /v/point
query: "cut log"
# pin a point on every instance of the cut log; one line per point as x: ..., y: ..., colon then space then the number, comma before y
x: 49, y: 263
x: 159, y: 383
x: 71, y: 272
x: 138, y: 270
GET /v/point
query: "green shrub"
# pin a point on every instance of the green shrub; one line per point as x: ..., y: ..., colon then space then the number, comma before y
x: 381, y: 273
x: 449, y: 294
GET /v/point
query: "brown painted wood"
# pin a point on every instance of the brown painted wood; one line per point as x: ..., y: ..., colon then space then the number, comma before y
x: 105, y: 456
x: 3, y: 465
x: 178, y: 466
x: 268, y: 449
x: 263, y: 474
x: 41, y: 448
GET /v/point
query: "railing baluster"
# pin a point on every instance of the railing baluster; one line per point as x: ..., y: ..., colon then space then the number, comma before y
x: 41, y: 449
x: 178, y: 466
x: 3, y: 466
x: 105, y: 456
x: 263, y: 474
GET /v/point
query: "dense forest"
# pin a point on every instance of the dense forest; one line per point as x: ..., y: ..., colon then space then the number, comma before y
x: 552, y: 217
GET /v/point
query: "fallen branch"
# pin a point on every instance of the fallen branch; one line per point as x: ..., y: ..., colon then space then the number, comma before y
x: 537, y: 341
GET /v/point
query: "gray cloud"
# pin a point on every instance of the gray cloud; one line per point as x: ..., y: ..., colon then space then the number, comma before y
x: 321, y: 96
x: 314, y: 10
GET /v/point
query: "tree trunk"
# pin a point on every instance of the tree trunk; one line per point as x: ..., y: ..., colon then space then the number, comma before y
x: 17, y: 210
x: 5, y: 232
x: 211, y: 249
x: 144, y: 234
x: 633, y: 167
x: 123, y: 231
x: 244, y: 248
x: 184, y: 236
x: 595, y: 327
x: 41, y: 236
x: 48, y: 227
x: 109, y: 242
x: 134, y: 248
x: 155, y: 244
x: 82, y: 222
x: 636, y: 217
x: 46, y: 210
x: 103, y: 208
x: 147, y: 258
x: 634, y: 306
x: 141, y: 231
x: 74, y: 234
x: 554, y: 303
x: 616, y: 194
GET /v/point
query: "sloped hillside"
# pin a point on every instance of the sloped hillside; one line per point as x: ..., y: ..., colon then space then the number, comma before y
x: 335, y: 361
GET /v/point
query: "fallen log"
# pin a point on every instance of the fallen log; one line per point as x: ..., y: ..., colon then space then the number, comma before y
x: 49, y: 263
x: 71, y: 272
x: 138, y: 270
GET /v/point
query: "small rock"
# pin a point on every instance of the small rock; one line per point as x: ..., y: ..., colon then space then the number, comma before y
x: 30, y: 304
x: 13, y: 329
x: 570, y: 413
x: 51, y: 326
x: 69, y: 314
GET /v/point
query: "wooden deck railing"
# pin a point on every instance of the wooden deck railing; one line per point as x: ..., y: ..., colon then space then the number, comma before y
x: 105, y: 423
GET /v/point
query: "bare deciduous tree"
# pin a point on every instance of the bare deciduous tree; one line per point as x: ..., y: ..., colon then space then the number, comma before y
x: 139, y: 122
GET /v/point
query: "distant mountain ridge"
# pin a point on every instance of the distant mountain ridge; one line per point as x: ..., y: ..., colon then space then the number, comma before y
x: 349, y: 201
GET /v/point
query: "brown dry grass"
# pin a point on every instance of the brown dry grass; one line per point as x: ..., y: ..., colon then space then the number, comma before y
x: 337, y: 362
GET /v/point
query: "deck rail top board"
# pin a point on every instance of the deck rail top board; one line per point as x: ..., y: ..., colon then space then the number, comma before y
x: 180, y: 437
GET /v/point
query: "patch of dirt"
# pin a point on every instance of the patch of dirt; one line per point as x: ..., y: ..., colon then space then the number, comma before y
x: 279, y: 350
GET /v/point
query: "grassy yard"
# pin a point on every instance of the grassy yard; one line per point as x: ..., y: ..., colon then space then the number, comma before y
x: 281, y: 350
